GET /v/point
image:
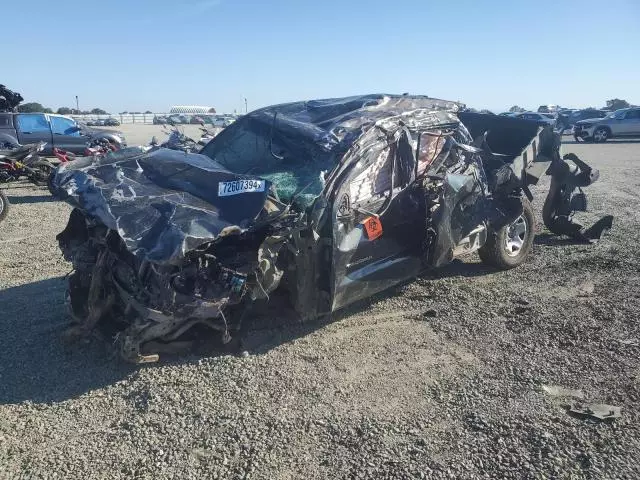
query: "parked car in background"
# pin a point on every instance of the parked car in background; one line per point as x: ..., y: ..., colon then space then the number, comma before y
x: 111, y: 122
x: 543, y: 118
x: 196, y: 120
x: 178, y: 119
x: 100, y: 122
x: 586, y: 114
x: 159, y: 120
x: 222, y: 121
x: 56, y: 130
x: 568, y: 118
x: 621, y: 123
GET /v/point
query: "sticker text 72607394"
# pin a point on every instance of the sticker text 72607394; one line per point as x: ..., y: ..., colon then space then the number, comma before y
x: 240, y: 186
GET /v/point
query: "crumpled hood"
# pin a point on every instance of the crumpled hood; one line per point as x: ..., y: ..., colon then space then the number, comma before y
x: 163, y: 203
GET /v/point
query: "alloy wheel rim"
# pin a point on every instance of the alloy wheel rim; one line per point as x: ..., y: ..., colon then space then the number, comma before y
x: 600, y: 135
x: 516, y: 234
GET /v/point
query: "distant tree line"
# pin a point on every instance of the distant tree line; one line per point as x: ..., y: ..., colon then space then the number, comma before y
x: 613, y: 104
x: 35, y: 107
x: 616, y: 104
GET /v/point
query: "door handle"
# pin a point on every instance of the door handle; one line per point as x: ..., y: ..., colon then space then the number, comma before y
x: 27, y: 133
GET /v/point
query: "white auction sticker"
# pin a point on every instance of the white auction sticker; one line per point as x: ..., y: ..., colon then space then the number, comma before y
x: 240, y: 186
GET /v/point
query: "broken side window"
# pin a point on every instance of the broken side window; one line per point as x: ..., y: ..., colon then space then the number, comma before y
x: 431, y: 145
x: 371, y: 185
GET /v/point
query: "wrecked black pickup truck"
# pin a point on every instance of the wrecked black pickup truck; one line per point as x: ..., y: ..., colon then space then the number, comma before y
x: 328, y: 201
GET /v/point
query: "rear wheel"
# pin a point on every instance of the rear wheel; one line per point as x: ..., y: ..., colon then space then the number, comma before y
x: 600, y: 135
x: 509, y: 246
x: 42, y: 173
x: 4, y: 205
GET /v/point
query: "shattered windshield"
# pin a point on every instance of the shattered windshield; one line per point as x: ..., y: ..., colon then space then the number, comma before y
x: 295, y: 167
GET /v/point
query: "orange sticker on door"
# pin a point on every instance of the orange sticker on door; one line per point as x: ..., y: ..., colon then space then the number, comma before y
x: 372, y: 227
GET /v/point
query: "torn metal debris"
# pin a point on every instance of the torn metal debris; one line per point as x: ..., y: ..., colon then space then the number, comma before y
x: 597, y: 411
x: 328, y: 201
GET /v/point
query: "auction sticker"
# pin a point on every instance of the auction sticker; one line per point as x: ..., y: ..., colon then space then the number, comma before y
x: 372, y: 227
x: 240, y: 186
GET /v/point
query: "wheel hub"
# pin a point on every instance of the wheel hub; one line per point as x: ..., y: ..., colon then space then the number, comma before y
x: 600, y: 135
x: 516, y: 233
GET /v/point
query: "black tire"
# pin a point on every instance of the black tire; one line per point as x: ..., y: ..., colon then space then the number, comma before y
x: 498, y: 253
x: 52, y: 190
x: 601, y: 135
x: 43, y: 171
x: 4, y: 206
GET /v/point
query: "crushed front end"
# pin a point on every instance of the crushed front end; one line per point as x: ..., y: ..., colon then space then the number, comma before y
x: 148, y: 307
x: 151, y: 263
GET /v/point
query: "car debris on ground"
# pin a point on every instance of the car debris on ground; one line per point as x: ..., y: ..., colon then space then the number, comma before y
x: 597, y: 411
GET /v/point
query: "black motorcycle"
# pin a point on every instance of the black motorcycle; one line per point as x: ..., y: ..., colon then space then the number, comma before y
x: 179, y: 141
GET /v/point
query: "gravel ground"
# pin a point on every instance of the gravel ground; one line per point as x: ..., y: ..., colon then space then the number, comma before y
x: 439, y: 378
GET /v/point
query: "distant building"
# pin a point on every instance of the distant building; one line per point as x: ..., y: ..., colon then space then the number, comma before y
x: 191, y: 109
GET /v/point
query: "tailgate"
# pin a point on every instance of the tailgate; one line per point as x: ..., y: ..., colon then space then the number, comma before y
x: 524, y: 145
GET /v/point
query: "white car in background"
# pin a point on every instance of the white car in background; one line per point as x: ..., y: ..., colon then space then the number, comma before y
x: 546, y: 118
x: 222, y: 121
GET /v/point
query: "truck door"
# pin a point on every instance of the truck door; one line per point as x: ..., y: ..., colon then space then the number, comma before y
x: 378, y: 223
x: 34, y: 128
x: 65, y: 136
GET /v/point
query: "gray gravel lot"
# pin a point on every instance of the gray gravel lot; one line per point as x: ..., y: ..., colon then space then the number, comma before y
x: 439, y: 378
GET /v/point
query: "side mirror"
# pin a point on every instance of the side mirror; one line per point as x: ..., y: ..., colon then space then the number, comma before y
x: 75, y: 129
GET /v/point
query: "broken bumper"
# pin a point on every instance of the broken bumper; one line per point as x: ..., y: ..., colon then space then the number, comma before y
x: 146, y: 307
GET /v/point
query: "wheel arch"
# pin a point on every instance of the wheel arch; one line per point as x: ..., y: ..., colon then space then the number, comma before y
x: 7, y: 138
x: 605, y: 127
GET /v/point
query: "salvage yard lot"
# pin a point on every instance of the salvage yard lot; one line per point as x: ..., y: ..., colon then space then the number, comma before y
x: 438, y: 378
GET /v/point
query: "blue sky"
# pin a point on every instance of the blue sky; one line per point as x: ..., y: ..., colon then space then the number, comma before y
x: 151, y: 54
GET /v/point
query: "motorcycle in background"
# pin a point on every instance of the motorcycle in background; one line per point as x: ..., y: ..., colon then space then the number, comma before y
x: 207, y: 135
x: 179, y: 141
x: 96, y: 147
x: 24, y: 162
